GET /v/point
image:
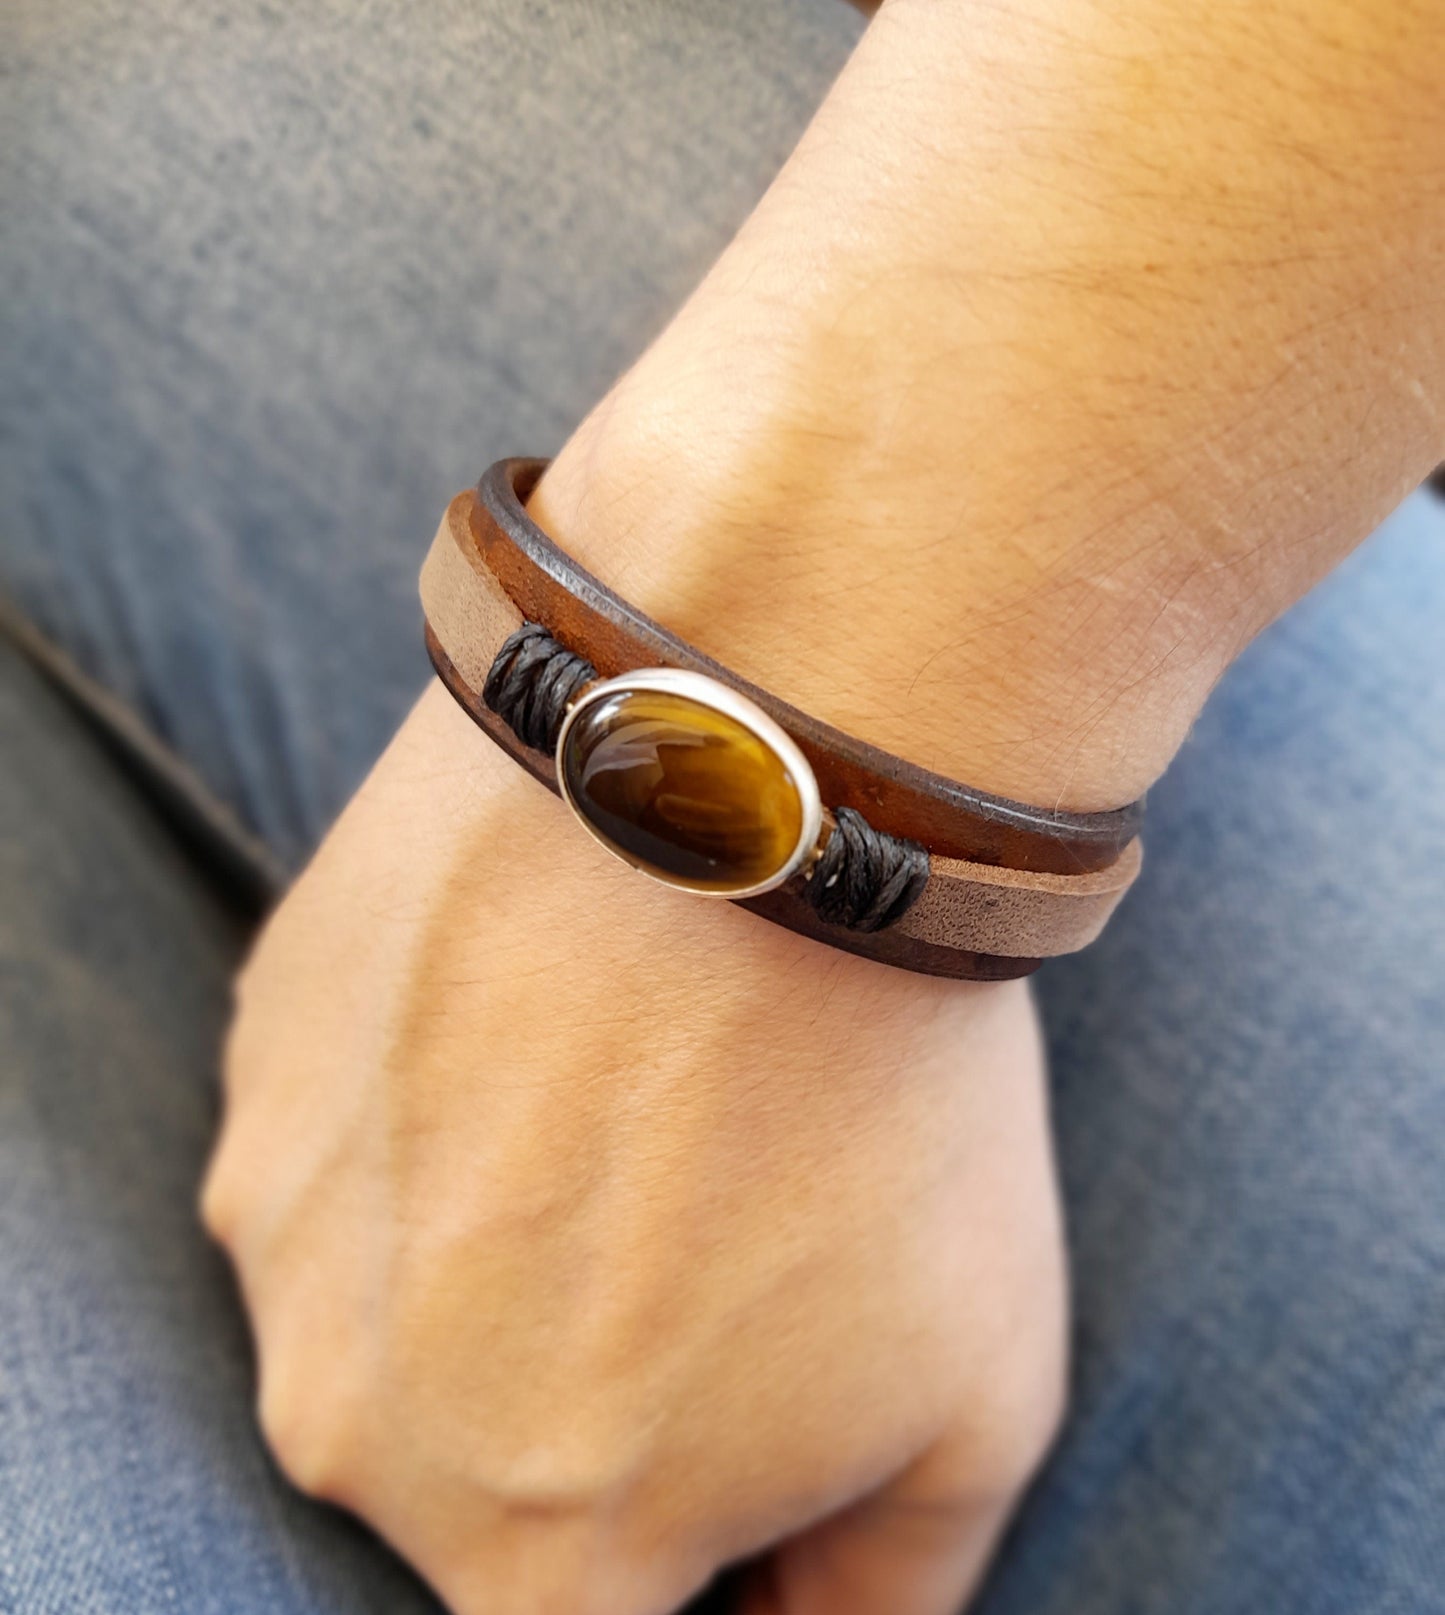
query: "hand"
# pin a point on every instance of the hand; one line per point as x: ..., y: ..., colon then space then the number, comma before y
x: 595, y: 1235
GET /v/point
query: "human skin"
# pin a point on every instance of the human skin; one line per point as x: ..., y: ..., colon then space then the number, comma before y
x: 595, y: 1236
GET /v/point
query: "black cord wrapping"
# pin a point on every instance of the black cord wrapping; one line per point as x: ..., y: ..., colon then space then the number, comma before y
x: 865, y: 880
x: 530, y: 683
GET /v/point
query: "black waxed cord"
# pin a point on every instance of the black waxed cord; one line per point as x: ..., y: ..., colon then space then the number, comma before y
x: 864, y: 879
x: 530, y: 683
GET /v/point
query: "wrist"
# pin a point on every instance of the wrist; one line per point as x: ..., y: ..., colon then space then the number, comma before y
x: 994, y: 457
x: 870, y: 604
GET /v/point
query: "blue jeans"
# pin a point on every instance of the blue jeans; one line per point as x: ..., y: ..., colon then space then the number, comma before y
x: 278, y: 281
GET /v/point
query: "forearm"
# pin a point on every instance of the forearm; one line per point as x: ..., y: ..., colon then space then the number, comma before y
x: 1065, y: 353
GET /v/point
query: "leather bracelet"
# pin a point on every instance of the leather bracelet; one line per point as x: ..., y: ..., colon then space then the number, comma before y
x: 662, y: 746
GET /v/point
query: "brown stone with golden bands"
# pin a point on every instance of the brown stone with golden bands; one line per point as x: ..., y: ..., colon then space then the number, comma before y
x: 686, y: 792
x: 1009, y: 884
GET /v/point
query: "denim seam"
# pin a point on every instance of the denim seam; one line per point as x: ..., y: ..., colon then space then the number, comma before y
x: 243, y: 863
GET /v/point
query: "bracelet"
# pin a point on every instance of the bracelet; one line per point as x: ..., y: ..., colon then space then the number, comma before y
x: 705, y: 782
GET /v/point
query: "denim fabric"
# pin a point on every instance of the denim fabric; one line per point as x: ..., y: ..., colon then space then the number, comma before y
x: 278, y: 281
x: 1250, y: 1100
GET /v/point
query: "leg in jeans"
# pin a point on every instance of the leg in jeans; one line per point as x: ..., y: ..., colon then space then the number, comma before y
x: 285, y: 283
x: 1250, y: 1100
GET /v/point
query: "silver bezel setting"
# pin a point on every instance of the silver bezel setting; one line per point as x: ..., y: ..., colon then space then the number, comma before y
x: 707, y: 692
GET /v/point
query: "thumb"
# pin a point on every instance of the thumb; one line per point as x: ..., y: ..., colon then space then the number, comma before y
x: 918, y: 1546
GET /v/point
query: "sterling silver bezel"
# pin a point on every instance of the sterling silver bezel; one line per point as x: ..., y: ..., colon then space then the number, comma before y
x: 718, y: 697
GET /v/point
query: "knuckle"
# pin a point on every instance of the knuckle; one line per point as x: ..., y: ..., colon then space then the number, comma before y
x: 1026, y: 1413
x: 218, y: 1208
x: 309, y: 1431
x: 1021, y: 1398
x: 560, y: 1480
x: 1033, y: 1438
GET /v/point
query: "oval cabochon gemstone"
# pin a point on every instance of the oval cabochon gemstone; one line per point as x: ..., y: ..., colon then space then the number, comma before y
x: 681, y: 790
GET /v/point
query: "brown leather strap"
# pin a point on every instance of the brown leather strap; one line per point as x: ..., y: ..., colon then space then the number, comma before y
x: 1009, y: 884
x: 548, y: 587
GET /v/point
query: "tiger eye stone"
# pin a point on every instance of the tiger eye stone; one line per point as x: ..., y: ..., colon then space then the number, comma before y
x: 685, y: 792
